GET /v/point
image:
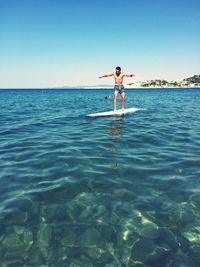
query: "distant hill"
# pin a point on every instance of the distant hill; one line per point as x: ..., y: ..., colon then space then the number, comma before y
x: 191, y: 82
x: 193, y: 79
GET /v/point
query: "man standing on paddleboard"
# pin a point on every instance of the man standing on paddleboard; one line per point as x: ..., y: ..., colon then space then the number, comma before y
x: 118, y: 88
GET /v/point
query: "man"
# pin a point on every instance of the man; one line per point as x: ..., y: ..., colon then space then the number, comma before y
x: 118, y: 88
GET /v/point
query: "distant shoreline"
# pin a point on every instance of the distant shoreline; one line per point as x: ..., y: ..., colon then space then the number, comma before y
x: 100, y: 88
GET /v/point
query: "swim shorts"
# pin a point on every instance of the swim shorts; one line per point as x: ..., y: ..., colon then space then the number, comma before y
x: 119, y: 89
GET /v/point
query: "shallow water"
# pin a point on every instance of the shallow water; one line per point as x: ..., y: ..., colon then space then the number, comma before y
x: 115, y: 191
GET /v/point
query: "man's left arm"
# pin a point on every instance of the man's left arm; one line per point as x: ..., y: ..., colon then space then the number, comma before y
x: 129, y: 75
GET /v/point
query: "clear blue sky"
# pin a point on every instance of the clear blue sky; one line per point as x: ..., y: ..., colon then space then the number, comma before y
x: 46, y: 43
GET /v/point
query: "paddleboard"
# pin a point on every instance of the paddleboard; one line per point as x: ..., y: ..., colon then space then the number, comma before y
x: 118, y: 112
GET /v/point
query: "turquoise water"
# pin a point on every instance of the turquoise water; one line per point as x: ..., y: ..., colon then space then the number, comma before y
x: 113, y: 192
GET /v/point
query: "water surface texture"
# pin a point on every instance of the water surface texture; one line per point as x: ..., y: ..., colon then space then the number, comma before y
x: 94, y: 192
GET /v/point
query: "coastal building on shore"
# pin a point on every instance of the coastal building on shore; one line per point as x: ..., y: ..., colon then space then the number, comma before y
x: 192, y: 82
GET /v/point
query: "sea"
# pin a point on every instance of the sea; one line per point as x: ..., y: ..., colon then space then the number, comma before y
x: 119, y: 191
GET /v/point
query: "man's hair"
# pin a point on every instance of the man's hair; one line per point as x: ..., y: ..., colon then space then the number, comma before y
x: 118, y: 68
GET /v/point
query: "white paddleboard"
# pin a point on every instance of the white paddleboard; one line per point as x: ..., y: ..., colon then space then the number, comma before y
x: 119, y: 112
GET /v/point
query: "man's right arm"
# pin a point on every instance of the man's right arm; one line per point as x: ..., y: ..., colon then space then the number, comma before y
x: 106, y: 75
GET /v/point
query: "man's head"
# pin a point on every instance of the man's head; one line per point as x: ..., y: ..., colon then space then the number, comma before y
x: 118, y: 70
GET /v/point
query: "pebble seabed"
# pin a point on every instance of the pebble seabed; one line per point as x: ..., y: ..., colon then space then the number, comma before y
x: 88, y: 232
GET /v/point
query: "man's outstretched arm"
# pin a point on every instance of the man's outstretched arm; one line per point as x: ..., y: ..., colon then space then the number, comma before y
x: 106, y: 75
x: 129, y: 75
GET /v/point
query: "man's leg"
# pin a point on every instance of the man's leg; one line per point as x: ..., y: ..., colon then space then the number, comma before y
x: 123, y: 100
x: 115, y: 100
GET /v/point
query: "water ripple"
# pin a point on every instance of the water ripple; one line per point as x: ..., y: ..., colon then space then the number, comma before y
x: 82, y: 192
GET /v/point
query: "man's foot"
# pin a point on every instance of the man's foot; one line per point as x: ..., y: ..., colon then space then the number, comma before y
x: 122, y: 109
